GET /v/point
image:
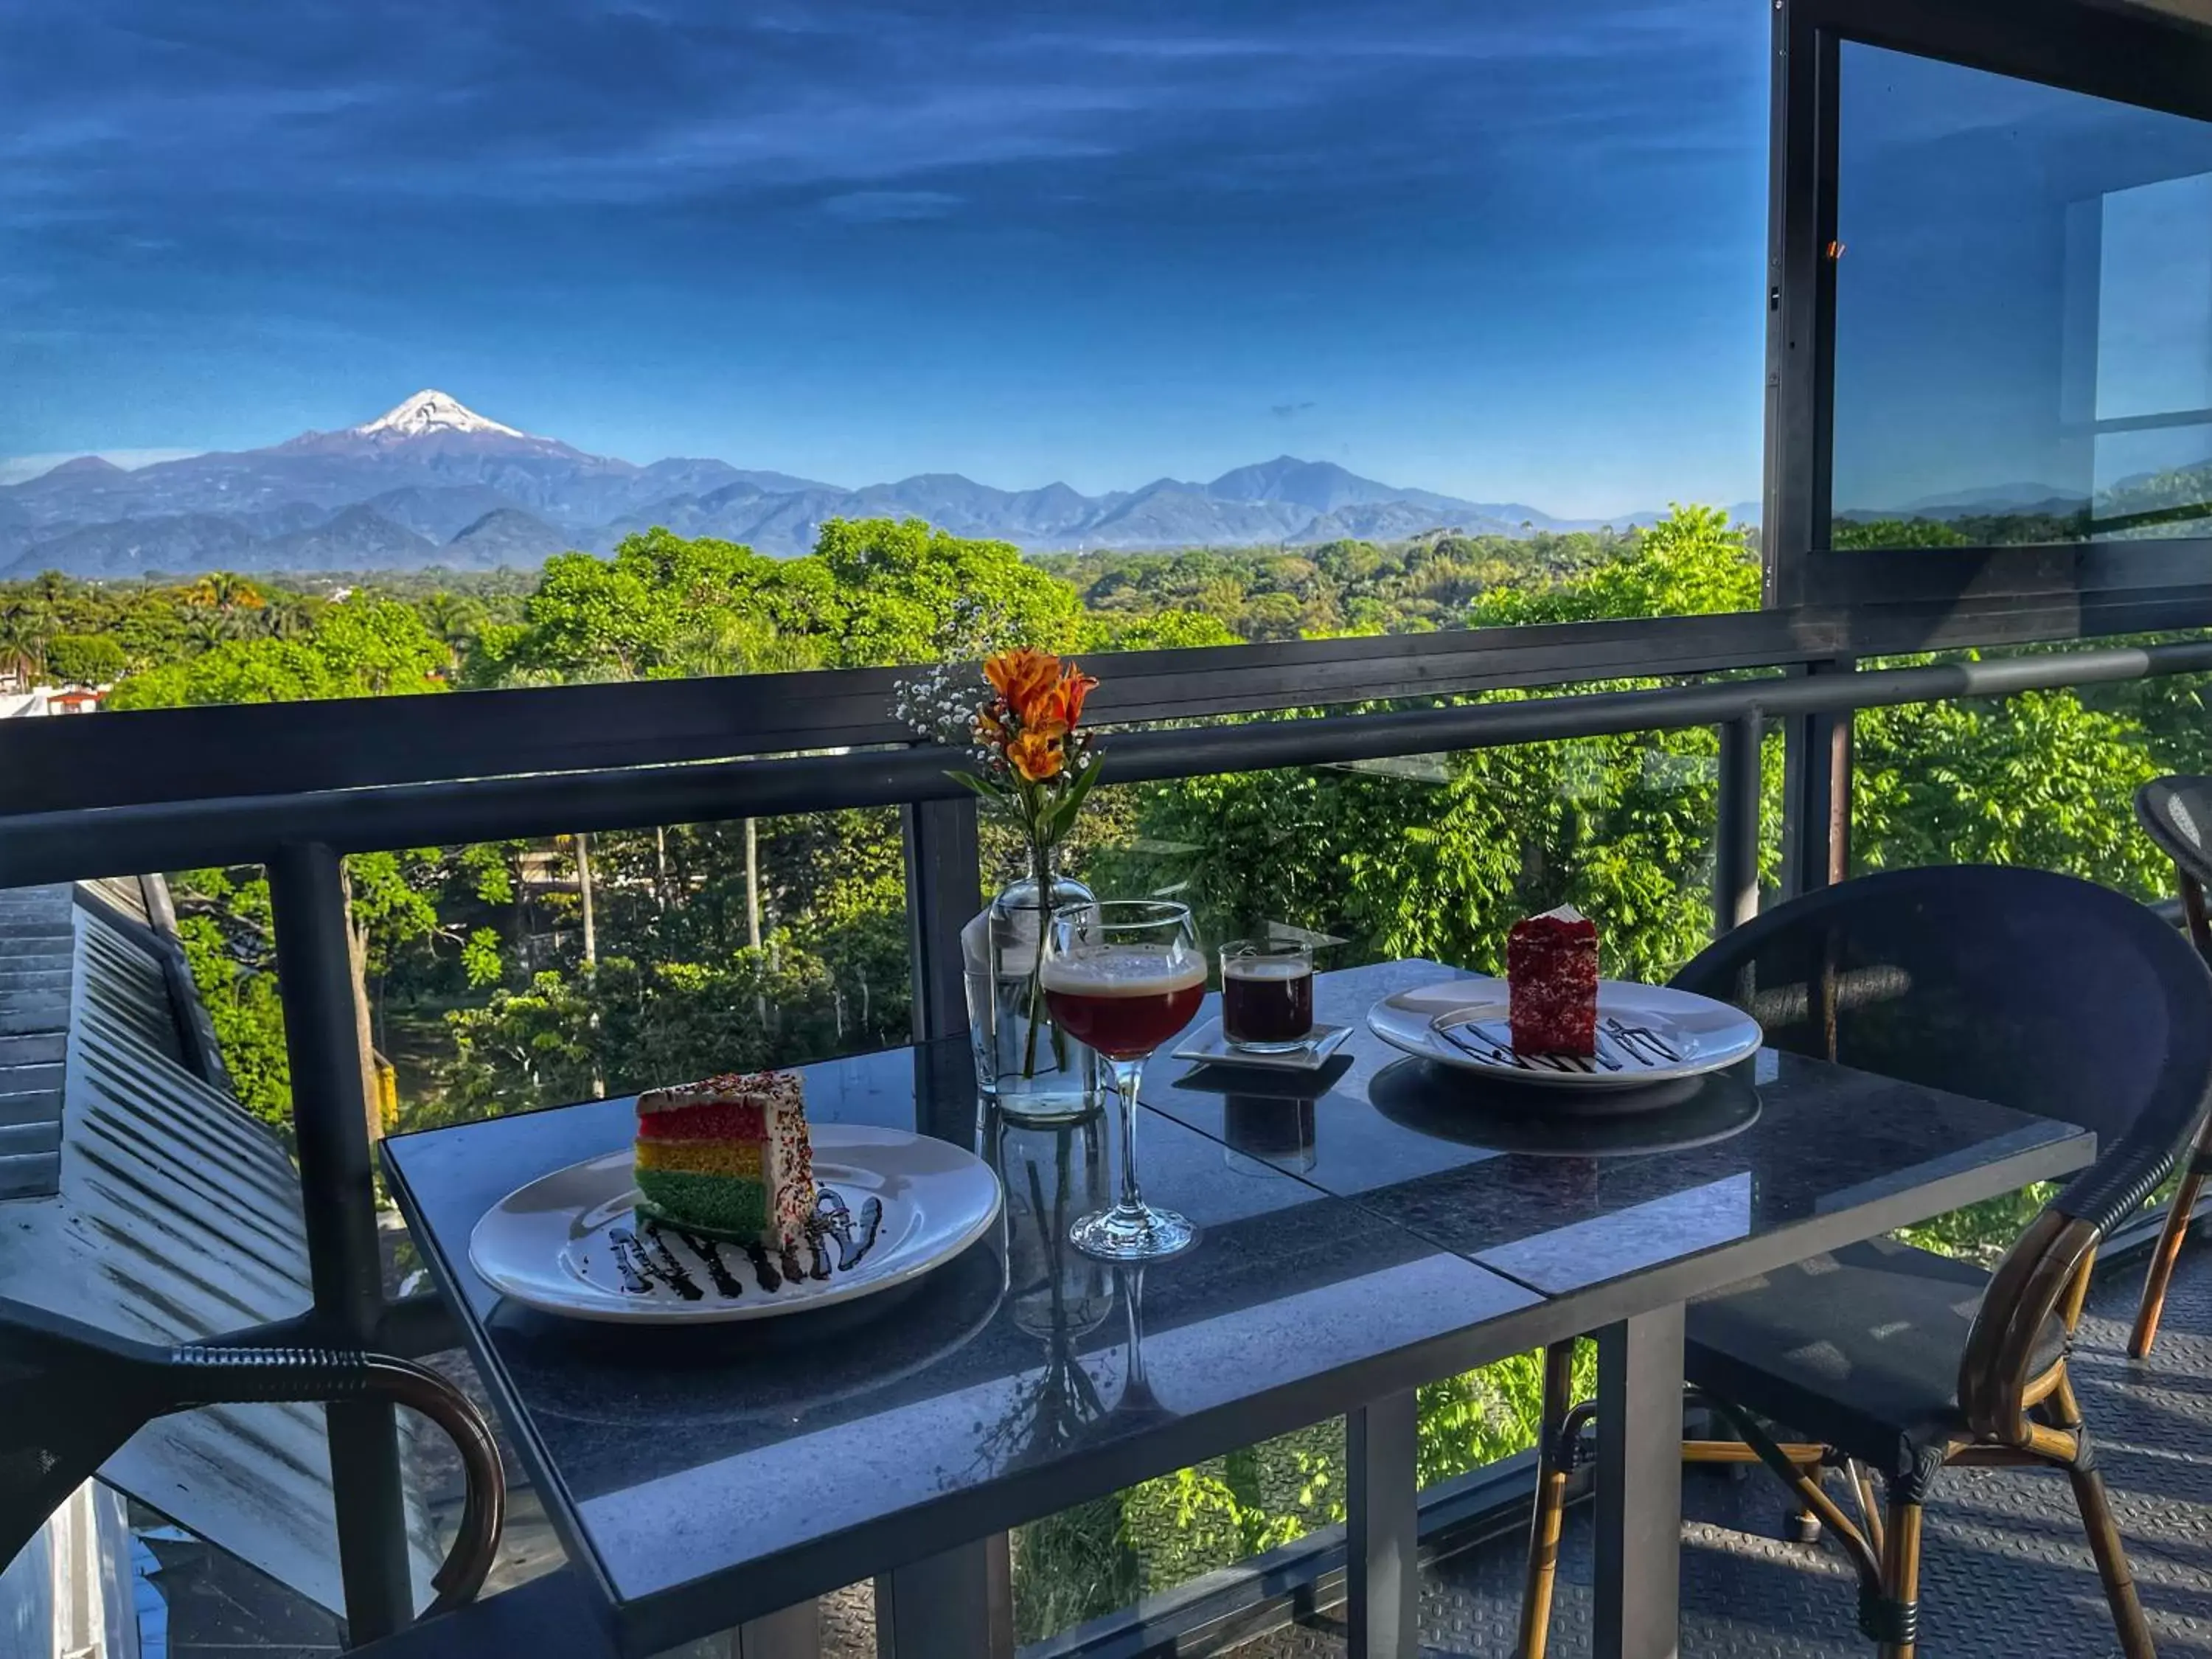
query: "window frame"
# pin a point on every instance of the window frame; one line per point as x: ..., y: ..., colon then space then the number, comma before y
x: 2117, y: 50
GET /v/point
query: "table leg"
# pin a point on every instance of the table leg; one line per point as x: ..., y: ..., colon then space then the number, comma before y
x: 960, y: 1604
x: 1381, y: 1567
x: 794, y: 1634
x: 1639, y: 1487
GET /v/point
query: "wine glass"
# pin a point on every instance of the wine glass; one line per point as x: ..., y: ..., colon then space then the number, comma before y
x: 1124, y: 975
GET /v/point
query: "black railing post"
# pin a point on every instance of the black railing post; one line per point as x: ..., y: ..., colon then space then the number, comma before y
x: 960, y: 1604
x: 1816, y: 794
x: 943, y: 891
x: 1382, y: 1526
x: 1736, y: 840
x: 337, y: 1195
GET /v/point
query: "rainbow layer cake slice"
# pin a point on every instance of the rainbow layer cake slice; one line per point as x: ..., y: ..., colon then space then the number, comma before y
x: 728, y: 1157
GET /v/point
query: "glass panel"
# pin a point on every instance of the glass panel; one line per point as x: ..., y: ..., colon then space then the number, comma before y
x: 1437, y: 855
x: 509, y: 976
x: 2023, y: 311
x: 2046, y: 778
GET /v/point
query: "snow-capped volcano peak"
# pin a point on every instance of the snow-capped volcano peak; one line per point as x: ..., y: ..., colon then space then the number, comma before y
x: 432, y: 411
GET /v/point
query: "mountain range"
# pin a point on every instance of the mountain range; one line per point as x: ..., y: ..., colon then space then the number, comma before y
x: 431, y: 483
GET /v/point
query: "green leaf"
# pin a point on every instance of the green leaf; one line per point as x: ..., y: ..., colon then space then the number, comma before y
x: 983, y: 787
x: 1061, y: 817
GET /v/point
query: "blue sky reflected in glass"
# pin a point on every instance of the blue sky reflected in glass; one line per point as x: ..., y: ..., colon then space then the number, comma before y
x: 2024, y: 300
x: 1510, y: 251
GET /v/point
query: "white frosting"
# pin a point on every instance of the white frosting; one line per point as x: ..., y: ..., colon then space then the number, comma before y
x: 769, y: 1088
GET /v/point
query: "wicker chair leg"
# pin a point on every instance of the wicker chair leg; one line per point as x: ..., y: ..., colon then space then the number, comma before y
x: 1544, y: 1525
x: 2161, y: 1265
x: 2112, y: 1562
x: 1870, y: 1509
x: 1900, y: 1577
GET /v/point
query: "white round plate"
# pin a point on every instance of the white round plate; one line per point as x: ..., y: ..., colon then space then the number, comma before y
x: 570, y: 1242
x: 1647, y: 1033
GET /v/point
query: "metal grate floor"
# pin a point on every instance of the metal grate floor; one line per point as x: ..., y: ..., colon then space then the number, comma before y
x: 2007, y: 1573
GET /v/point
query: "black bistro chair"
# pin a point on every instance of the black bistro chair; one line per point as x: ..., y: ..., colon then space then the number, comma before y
x: 2177, y: 814
x: 2033, y: 990
x: 70, y: 1394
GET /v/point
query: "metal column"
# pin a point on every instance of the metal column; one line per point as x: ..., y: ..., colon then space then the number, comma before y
x: 960, y: 1604
x: 1816, y: 793
x: 1735, y: 841
x: 1639, y: 1487
x: 944, y: 891
x: 337, y: 1192
x: 1381, y: 1564
x: 794, y: 1634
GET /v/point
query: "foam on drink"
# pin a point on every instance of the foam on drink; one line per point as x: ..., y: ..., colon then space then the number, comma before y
x: 1266, y: 968
x: 1123, y: 970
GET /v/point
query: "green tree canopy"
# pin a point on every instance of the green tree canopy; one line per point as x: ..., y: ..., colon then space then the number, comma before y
x: 85, y: 659
x: 367, y: 645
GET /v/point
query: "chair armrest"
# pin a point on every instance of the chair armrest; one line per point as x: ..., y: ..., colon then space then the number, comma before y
x: 212, y: 1375
x: 2042, y: 1268
x: 2113, y: 1188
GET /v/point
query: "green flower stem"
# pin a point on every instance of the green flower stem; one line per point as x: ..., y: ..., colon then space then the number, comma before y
x: 1040, y: 873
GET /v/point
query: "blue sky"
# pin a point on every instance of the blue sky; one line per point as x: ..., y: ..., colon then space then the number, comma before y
x: 1510, y: 250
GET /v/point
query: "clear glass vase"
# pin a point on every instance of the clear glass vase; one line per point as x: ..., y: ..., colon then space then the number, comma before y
x: 1025, y: 1065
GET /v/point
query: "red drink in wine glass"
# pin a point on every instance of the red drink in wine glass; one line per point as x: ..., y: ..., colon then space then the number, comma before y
x: 1124, y: 1001
x: 1124, y: 977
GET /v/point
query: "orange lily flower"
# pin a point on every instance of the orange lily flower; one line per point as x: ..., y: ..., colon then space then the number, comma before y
x: 1075, y: 687
x: 1021, y: 677
x: 1036, y: 755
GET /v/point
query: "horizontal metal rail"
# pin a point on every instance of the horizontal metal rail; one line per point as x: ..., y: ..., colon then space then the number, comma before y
x: 1931, y: 599
x: 66, y: 845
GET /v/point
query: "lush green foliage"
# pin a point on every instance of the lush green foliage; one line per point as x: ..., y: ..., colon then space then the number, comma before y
x: 365, y: 645
x: 1438, y: 859
x: 85, y: 659
x: 223, y: 925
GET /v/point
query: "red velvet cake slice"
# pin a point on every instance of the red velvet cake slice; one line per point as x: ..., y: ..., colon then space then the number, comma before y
x: 1551, y: 970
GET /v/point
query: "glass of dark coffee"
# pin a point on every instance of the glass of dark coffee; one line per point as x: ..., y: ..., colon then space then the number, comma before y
x: 1267, y: 994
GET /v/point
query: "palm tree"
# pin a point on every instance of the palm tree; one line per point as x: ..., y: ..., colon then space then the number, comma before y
x: 207, y: 630
x: 286, y: 619
x: 25, y: 628
x: 455, y: 619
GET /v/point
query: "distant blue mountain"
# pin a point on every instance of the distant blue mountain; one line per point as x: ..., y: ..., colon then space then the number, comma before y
x: 431, y: 483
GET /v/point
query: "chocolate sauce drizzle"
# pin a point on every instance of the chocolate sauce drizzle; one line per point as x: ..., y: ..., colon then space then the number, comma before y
x: 763, y: 1269
x: 644, y: 1263
x: 833, y: 1219
x: 1619, y: 1048
x: 727, y: 1284
x: 629, y: 1261
x: 672, y: 1270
